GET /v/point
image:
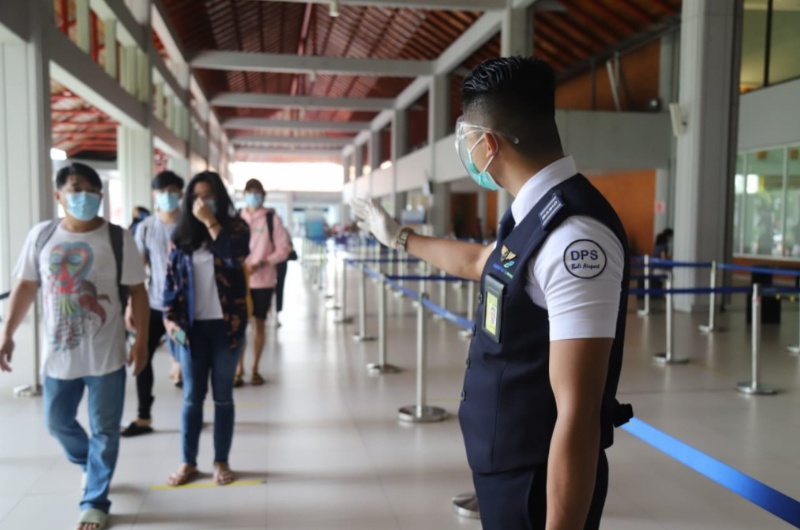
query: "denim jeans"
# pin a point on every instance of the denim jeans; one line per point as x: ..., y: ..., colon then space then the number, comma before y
x: 97, y: 455
x: 209, y: 351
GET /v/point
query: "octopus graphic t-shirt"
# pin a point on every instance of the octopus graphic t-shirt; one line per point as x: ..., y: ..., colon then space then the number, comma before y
x: 84, y: 331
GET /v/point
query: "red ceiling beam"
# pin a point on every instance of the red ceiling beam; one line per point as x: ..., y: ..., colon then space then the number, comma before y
x: 64, y: 26
x: 613, y: 16
x: 74, y: 123
x: 78, y: 112
x: 94, y: 49
x: 561, y: 41
x: 637, y: 12
x: 86, y: 134
x: 562, y: 25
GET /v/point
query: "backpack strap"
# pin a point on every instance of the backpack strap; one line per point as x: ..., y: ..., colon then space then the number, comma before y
x: 117, y: 242
x: 270, y: 225
x: 42, y: 239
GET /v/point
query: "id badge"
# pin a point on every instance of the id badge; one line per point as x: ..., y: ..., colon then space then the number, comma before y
x: 493, y: 307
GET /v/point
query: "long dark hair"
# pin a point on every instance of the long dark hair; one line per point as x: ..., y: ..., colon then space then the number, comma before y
x: 191, y: 234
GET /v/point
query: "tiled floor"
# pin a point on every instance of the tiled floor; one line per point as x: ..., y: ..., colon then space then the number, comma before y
x: 321, y: 449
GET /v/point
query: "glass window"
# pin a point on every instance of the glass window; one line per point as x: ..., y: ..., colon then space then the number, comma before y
x: 763, y: 187
x: 754, y: 44
x: 793, y: 202
x: 784, y: 55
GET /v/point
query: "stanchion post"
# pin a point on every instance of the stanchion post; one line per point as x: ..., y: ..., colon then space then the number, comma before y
x: 35, y: 389
x: 382, y: 367
x: 467, y: 333
x: 420, y: 412
x: 442, y: 294
x: 466, y: 505
x: 795, y: 350
x: 712, y: 307
x: 343, y: 317
x: 646, y: 311
x: 754, y: 386
x: 362, y: 307
x: 334, y: 303
x: 668, y: 357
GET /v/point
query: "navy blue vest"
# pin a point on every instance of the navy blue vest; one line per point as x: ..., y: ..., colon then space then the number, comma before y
x: 508, y: 410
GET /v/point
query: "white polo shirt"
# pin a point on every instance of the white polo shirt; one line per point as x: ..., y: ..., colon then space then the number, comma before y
x: 577, y: 272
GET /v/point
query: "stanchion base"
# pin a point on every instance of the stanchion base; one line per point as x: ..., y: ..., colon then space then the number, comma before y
x: 466, y: 334
x: 747, y: 387
x: 643, y: 313
x: 438, y: 317
x: 364, y: 338
x: 397, y: 294
x: 328, y: 297
x: 26, y: 391
x: 709, y: 329
x: 428, y: 414
x: 343, y: 320
x: 466, y: 505
x: 793, y: 350
x: 379, y: 369
x: 333, y: 306
x: 661, y: 358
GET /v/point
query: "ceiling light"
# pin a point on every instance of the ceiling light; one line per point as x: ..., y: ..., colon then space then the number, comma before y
x: 57, y: 154
x: 334, y: 9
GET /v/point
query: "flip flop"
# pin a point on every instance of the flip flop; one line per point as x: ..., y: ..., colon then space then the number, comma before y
x: 223, y: 477
x: 93, y: 516
x: 180, y: 479
x: 238, y: 382
x: 257, y: 380
x: 134, y: 429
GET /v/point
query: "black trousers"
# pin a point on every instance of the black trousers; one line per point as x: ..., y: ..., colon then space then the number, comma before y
x: 144, y: 381
x: 279, y: 286
x: 517, y: 500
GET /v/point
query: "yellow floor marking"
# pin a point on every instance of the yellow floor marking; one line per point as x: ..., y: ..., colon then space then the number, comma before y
x: 197, y: 485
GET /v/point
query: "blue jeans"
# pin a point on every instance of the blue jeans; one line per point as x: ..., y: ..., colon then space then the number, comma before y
x: 97, y: 455
x: 209, y: 351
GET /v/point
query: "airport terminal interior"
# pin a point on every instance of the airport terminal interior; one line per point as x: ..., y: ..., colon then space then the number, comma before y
x: 684, y: 114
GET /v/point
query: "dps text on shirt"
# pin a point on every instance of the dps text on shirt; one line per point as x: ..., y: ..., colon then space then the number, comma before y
x: 83, y: 324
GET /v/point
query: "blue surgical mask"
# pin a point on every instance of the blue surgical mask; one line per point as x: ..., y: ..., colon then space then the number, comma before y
x: 253, y: 200
x: 212, y: 204
x: 167, y: 202
x: 483, y: 178
x: 83, y: 205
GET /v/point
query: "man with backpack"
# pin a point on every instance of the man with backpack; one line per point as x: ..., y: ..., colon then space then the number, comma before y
x: 269, y: 246
x: 87, y: 269
x: 153, y: 239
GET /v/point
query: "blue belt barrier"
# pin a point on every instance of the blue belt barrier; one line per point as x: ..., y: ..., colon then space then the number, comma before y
x: 427, y: 278
x: 382, y: 260
x: 638, y: 277
x: 763, y: 270
x: 758, y: 493
x: 405, y: 290
x: 719, y: 290
x: 447, y: 315
x: 5, y: 295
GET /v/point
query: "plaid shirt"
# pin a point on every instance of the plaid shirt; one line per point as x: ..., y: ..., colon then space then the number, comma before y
x: 230, y: 250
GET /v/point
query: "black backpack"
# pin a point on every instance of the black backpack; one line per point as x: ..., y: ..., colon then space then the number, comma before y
x: 115, y: 234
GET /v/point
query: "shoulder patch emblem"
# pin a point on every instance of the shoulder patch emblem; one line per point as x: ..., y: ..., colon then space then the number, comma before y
x: 585, y: 259
x: 506, y: 254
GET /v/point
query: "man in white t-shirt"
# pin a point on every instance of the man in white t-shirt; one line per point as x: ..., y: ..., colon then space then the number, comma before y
x: 78, y: 264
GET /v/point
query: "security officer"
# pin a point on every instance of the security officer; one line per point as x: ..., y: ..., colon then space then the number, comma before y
x: 538, y: 406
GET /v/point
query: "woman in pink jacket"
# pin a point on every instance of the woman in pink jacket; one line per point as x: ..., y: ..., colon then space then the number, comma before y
x: 269, y: 246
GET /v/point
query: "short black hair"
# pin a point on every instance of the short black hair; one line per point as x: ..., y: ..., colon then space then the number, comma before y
x: 165, y: 179
x: 254, y: 184
x: 515, y: 96
x: 80, y: 170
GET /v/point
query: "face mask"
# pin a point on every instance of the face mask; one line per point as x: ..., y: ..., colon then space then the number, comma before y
x: 253, y: 200
x: 483, y: 178
x: 167, y: 202
x: 83, y: 205
x: 212, y: 204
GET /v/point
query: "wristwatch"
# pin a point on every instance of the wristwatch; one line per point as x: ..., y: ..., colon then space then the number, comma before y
x: 402, y: 238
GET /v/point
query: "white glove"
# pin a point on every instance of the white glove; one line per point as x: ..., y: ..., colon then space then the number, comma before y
x: 376, y: 220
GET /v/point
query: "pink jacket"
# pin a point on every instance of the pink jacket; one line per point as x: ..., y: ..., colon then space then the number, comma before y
x: 261, y: 249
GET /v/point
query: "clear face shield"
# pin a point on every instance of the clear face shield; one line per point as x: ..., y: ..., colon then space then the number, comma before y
x: 463, y: 130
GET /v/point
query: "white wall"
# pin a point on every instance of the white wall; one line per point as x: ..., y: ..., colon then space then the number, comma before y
x: 770, y: 117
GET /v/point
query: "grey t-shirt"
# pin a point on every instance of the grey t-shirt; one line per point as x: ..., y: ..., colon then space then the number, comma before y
x: 153, y: 239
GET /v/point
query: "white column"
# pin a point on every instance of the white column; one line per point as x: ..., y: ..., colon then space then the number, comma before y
x: 26, y: 172
x: 143, y: 84
x: 438, y: 116
x: 358, y: 162
x: 399, y: 146
x: 179, y: 165
x: 135, y: 162
x: 709, y: 75
x: 111, y: 47
x: 440, y: 212
x: 83, y: 22
x: 516, y: 38
x: 668, y: 93
x: 159, y: 102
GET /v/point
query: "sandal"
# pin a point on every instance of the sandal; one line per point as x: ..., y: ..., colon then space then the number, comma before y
x: 257, y: 380
x: 95, y: 517
x: 238, y: 382
x: 223, y: 476
x: 180, y: 478
x: 134, y: 429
